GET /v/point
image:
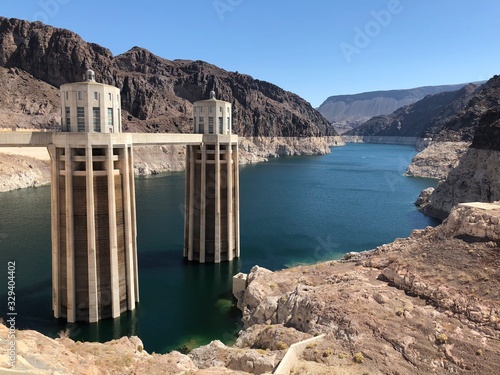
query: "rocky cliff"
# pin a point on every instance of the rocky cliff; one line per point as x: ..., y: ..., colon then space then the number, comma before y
x: 427, y: 304
x: 349, y: 111
x: 157, y: 93
x: 477, y: 175
x: 481, y: 109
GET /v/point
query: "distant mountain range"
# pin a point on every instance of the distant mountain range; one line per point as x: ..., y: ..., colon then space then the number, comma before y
x: 346, y: 112
x: 447, y: 116
x: 421, y: 119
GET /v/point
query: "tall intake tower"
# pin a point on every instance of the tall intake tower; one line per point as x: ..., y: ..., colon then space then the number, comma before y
x: 94, y: 246
x: 212, y: 227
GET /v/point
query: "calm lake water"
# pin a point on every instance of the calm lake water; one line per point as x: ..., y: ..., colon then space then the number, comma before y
x: 293, y: 210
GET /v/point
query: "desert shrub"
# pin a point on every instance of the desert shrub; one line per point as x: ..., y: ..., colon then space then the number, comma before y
x: 359, y: 358
x: 280, y: 345
x: 441, y: 339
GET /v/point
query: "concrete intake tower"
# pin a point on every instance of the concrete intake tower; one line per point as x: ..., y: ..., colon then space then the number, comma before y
x: 212, y: 226
x: 94, y: 247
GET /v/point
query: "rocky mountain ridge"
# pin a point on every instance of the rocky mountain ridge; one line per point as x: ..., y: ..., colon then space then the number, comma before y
x: 156, y: 92
x: 349, y: 111
x: 35, y: 59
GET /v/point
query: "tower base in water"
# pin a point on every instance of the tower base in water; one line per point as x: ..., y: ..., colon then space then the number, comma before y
x: 94, y: 246
x: 212, y: 228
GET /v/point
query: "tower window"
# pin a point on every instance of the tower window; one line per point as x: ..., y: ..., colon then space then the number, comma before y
x: 80, y: 114
x: 201, y: 125
x: 96, y: 95
x: 110, y: 117
x: 67, y: 96
x: 220, y: 109
x: 80, y: 95
x: 67, y: 113
x: 228, y: 125
x: 211, y: 125
x: 221, y: 127
x: 96, y: 115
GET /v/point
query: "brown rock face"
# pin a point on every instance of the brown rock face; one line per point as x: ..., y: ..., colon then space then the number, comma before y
x: 481, y: 110
x: 26, y: 102
x: 156, y: 93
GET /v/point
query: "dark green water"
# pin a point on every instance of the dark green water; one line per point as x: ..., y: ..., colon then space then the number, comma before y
x: 293, y: 210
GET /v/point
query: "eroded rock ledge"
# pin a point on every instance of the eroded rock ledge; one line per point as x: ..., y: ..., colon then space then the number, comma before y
x: 17, y: 172
x: 427, y: 304
x: 159, y: 159
x: 437, y: 160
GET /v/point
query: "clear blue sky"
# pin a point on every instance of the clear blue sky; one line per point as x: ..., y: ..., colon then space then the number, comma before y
x: 313, y: 48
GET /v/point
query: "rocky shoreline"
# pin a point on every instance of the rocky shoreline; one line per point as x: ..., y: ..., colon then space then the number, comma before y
x: 21, y: 171
x: 434, y: 160
x: 425, y: 304
x: 396, y: 140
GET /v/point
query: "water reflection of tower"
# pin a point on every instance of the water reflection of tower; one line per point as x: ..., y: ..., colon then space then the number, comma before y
x: 212, y: 206
x: 94, y: 250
